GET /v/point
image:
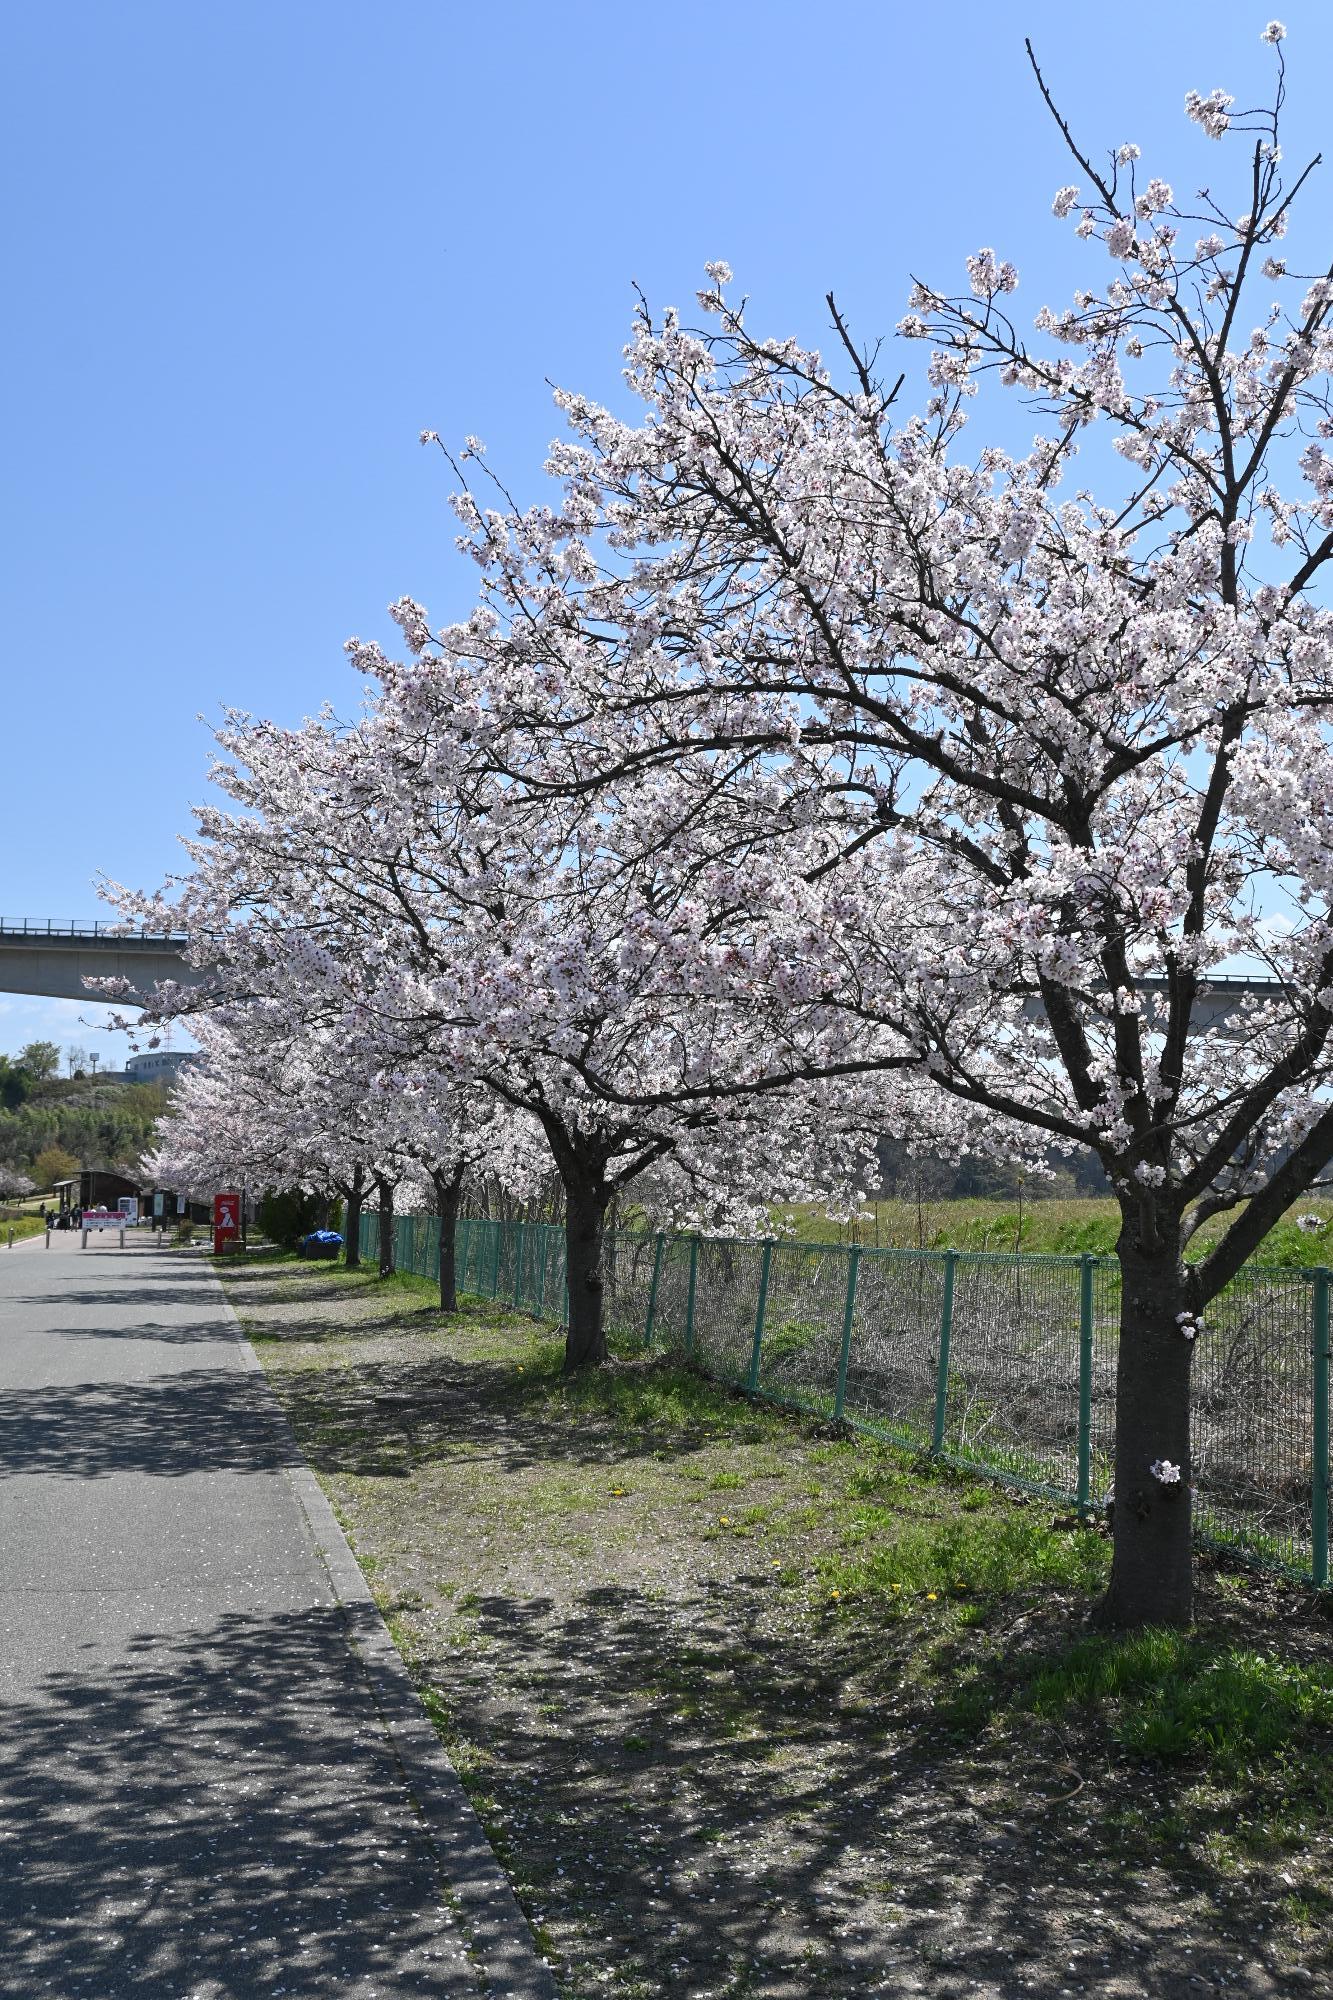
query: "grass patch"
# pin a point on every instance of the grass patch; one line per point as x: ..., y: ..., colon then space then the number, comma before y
x: 1065, y: 1227
x: 1177, y: 1698
x: 973, y: 1554
x: 637, y: 1396
x: 20, y: 1226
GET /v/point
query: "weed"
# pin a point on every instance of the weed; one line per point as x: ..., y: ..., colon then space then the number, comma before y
x: 983, y: 1557
x: 786, y: 1339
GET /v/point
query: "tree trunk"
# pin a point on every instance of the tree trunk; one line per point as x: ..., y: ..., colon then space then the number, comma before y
x: 586, y: 1199
x: 356, y: 1195
x: 1152, y: 1570
x: 386, y: 1228
x: 448, y: 1193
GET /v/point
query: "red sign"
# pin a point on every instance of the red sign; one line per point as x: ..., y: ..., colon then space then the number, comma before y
x: 226, y: 1220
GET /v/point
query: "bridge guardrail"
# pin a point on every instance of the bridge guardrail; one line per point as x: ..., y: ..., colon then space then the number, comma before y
x: 55, y: 927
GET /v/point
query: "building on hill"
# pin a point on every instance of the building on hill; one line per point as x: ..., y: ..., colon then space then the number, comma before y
x: 158, y: 1065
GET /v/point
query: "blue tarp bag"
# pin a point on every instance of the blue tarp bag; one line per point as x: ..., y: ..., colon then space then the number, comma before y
x: 320, y: 1243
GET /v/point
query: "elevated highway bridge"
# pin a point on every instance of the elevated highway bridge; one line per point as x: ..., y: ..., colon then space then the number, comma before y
x: 53, y: 958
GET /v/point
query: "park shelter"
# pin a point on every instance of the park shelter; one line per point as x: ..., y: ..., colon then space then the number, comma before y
x: 94, y: 1187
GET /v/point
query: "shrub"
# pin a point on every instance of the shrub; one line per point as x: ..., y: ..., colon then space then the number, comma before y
x: 288, y: 1214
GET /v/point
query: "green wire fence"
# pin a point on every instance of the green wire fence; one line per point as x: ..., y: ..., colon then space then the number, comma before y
x: 999, y: 1365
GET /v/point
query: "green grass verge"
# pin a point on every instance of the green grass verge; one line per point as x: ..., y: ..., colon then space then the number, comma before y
x: 653, y: 1619
x: 900, y: 1534
x: 1172, y: 1697
x: 21, y: 1226
x: 1062, y: 1227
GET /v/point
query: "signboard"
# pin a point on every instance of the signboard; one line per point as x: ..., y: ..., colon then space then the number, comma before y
x: 159, y: 1204
x: 226, y: 1220
x: 103, y: 1218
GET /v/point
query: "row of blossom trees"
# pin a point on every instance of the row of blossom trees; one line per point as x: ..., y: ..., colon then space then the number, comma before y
x: 805, y: 773
x: 419, y: 972
x: 278, y: 1100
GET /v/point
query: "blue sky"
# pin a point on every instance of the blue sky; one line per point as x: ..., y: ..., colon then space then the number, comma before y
x: 254, y: 250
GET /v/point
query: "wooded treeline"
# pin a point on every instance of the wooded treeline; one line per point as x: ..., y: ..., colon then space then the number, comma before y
x: 101, y: 1123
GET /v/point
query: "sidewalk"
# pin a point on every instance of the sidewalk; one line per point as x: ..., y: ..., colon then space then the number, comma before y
x: 200, y: 1795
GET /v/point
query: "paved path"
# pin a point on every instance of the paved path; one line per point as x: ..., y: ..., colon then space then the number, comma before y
x: 199, y: 1796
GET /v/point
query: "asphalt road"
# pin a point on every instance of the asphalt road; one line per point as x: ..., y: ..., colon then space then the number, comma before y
x: 198, y: 1796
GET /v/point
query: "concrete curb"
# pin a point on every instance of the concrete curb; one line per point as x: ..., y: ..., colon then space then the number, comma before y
x: 505, y: 1955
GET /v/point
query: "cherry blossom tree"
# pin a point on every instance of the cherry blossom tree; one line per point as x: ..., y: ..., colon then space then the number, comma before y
x: 260, y: 1109
x: 281, y: 1100
x: 511, y: 952
x: 436, y: 1133
x: 1054, y: 757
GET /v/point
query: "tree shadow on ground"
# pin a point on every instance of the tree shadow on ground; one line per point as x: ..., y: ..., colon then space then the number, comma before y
x: 252, y: 1288
x: 407, y: 1413
x: 737, y: 1800
x: 194, y: 1420
x: 705, y: 1788
x: 221, y: 1812
x: 146, y: 1293
x: 314, y: 1329
x: 723, y: 1807
x: 173, y: 1333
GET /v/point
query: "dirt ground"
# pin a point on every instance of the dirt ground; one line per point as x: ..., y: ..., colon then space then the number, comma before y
x: 707, y: 1772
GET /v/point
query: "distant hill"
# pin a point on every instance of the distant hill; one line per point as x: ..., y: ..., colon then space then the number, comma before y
x: 102, y: 1121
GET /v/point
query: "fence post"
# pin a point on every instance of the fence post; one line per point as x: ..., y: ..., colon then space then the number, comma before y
x: 543, y: 1243
x: 759, y: 1315
x: 853, y: 1265
x: 518, y: 1265
x: 689, y: 1298
x: 652, y: 1290
x: 942, y: 1372
x: 1085, y: 1278
x: 495, y: 1259
x: 1319, y: 1455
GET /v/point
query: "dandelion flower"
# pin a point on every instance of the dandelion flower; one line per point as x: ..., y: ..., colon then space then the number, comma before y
x: 932, y: 1596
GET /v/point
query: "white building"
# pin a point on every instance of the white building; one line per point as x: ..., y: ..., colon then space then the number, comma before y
x: 158, y: 1065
